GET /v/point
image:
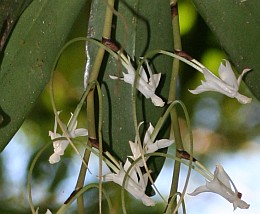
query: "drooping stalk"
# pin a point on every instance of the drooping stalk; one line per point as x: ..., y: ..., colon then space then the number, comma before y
x: 175, y: 129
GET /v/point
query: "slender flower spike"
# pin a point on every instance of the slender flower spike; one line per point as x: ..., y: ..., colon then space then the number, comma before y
x: 221, y: 185
x: 227, y: 84
x: 148, y: 145
x: 60, y: 142
x: 135, y: 184
x: 146, y: 86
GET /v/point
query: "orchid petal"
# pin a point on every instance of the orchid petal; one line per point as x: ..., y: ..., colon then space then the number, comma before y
x: 154, y: 80
x: 143, y: 74
x: 147, y: 136
x: 242, y: 74
x: 54, y: 158
x: 157, y: 101
x: 79, y: 133
x: 48, y: 212
x: 114, y: 77
x: 243, y: 99
x: 159, y: 144
x: 199, y: 190
x: 63, y: 144
x: 135, y: 150
x: 227, y: 75
x: 53, y: 135
x: 222, y: 176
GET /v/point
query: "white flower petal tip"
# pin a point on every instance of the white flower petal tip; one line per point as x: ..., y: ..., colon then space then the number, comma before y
x: 243, y: 99
x: 227, y: 84
x: 148, y: 202
x: 114, y: 77
x: 157, y: 101
x: 60, y: 145
x: 47, y: 212
x: 147, y: 86
x: 54, y: 158
x: 221, y: 185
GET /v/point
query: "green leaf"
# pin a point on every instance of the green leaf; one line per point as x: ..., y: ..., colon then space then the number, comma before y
x: 34, y: 44
x: 139, y: 31
x: 10, y: 10
x: 236, y: 24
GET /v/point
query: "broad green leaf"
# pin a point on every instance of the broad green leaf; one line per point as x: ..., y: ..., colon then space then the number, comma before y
x: 139, y: 31
x: 34, y: 44
x: 10, y: 10
x: 236, y: 24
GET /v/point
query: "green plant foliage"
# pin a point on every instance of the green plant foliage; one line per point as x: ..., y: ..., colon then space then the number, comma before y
x: 236, y: 24
x: 10, y: 10
x: 138, y: 31
x: 28, y: 59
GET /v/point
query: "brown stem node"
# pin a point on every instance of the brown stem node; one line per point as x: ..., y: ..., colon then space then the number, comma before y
x: 183, y: 54
x: 185, y: 155
x: 94, y: 142
x: 174, y: 9
x: 111, y: 44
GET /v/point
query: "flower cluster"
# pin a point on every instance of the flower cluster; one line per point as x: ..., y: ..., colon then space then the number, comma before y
x: 137, y: 181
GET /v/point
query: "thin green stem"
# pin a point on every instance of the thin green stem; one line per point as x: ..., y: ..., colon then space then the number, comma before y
x: 29, y: 178
x: 175, y: 128
x: 90, y: 98
x: 64, y: 207
x: 100, y: 145
x: 81, y: 179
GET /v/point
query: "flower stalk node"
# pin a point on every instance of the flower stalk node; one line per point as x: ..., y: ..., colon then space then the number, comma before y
x: 185, y: 155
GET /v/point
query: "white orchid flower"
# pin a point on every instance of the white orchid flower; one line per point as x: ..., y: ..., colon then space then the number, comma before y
x: 221, y: 185
x: 60, y: 145
x: 227, y: 84
x: 135, y: 184
x: 146, y: 86
x: 148, y: 145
